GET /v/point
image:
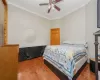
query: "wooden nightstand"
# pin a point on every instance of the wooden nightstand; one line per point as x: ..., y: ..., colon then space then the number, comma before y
x: 92, y: 65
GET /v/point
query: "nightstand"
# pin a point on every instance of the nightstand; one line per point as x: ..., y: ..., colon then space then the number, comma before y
x: 92, y: 65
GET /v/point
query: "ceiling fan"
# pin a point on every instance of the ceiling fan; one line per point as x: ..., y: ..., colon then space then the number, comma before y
x: 52, y: 5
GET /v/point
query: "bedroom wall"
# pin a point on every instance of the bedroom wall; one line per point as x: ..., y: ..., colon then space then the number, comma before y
x: 27, y: 29
x: 91, y: 26
x: 72, y: 26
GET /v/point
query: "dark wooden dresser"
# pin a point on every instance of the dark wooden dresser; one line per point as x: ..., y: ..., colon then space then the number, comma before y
x: 92, y: 65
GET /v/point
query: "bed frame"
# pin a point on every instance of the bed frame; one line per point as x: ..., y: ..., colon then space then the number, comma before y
x: 61, y: 75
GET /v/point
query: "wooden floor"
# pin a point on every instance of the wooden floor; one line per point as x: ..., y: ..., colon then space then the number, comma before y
x: 36, y: 70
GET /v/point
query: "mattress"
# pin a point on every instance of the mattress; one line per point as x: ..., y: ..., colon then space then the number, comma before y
x: 78, y: 64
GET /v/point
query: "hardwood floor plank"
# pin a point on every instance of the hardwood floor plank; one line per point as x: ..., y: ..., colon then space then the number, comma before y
x: 35, y: 69
x: 86, y: 74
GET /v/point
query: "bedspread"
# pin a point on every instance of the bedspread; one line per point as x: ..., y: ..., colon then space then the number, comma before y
x: 63, y: 56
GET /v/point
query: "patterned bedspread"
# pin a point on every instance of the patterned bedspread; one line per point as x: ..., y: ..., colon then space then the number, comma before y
x: 63, y: 57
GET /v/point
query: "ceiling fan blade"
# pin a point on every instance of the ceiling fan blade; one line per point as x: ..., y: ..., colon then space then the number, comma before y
x: 44, y: 4
x: 49, y: 9
x: 56, y: 7
x: 58, y: 1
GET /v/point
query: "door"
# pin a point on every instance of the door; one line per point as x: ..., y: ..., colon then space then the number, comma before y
x: 55, y: 36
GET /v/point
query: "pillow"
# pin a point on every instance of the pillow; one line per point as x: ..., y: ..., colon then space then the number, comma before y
x: 76, y: 43
x: 67, y: 42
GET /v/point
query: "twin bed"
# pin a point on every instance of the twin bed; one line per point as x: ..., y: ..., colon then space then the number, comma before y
x: 66, y: 61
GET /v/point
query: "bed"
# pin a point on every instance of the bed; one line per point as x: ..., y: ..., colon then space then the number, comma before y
x: 66, y: 61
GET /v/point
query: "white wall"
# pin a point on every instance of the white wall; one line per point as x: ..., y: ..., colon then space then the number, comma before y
x: 91, y: 25
x: 21, y: 22
x: 27, y: 29
x: 72, y: 26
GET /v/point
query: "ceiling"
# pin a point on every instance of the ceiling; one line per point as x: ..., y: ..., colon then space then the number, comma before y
x: 67, y: 6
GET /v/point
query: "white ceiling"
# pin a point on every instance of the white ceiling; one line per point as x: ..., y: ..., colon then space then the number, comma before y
x: 67, y: 6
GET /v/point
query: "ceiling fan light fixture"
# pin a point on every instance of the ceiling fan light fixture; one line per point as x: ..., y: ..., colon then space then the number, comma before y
x: 53, y: 6
x: 49, y: 6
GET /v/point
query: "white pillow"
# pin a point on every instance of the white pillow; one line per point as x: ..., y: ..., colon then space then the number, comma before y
x: 76, y: 43
x: 67, y: 42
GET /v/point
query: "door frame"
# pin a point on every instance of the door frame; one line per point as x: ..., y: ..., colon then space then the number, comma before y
x: 5, y: 22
